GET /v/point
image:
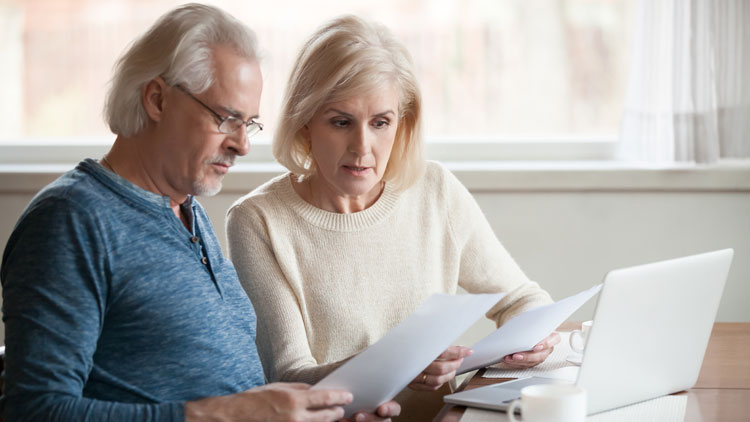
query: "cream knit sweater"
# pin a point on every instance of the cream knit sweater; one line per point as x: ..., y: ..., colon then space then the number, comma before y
x: 325, y: 286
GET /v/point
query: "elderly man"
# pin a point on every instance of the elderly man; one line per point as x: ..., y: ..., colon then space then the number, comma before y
x: 118, y: 302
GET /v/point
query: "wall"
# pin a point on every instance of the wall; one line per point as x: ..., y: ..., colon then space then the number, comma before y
x: 565, y: 228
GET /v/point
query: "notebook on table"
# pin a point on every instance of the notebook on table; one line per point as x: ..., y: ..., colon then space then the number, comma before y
x: 651, y: 327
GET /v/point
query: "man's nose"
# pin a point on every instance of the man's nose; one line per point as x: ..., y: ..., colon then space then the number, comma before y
x: 238, y: 141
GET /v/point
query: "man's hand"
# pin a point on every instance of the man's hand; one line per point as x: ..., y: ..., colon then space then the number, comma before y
x: 271, y: 402
x: 534, y: 356
x: 383, y: 413
x: 441, y: 370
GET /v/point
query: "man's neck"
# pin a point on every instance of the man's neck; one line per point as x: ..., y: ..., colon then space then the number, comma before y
x: 128, y: 160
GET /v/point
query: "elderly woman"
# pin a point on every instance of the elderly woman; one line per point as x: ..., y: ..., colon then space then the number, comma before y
x: 361, y: 230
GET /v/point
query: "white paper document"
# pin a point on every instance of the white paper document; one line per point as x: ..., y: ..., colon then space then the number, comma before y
x: 524, y: 331
x: 378, y: 373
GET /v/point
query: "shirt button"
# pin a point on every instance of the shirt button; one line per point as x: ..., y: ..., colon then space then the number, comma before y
x: 204, y: 260
x: 194, y: 239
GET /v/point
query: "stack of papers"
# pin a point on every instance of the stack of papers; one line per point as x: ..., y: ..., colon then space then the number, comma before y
x: 381, y: 371
x: 378, y: 373
x: 524, y: 331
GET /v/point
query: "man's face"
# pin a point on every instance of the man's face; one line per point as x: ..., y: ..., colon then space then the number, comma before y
x: 196, y: 155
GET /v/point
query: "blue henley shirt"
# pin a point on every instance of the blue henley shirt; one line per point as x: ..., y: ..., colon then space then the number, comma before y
x: 114, y: 310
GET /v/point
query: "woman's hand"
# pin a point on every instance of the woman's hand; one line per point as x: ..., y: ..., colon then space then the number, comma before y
x: 534, y: 356
x: 441, y: 370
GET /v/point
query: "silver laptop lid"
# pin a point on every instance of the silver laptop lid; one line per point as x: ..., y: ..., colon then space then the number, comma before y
x: 651, y: 328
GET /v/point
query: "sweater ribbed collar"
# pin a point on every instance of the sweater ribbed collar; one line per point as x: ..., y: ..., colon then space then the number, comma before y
x: 336, y: 221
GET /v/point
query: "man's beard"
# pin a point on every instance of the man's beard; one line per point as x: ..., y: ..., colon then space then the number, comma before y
x: 202, y: 186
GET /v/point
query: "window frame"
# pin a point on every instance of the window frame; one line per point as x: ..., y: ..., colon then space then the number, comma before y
x: 33, y: 151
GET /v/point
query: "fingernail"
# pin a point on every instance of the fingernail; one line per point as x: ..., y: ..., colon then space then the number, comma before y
x: 538, y: 347
x: 349, y: 397
x: 360, y: 417
x: 518, y: 357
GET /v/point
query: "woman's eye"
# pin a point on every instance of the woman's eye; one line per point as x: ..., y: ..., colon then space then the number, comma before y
x: 380, y: 124
x: 340, y: 122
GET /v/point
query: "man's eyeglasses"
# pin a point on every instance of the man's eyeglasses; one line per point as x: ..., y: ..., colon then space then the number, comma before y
x: 229, y: 124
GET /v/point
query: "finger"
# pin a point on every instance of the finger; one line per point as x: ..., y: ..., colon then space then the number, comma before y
x: 550, y: 341
x: 419, y: 379
x: 328, y: 398
x: 455, y: 352
x: 516, y: 363
x: 296, y: 385
x: 432, y: 382
x: 324, y: 415
x: 369, y: 417
x: 443, y: 367
x: 531, y: 356
x: 388, y: 409
x: 422, y: 387
x: 527, y: 359
x: 538, y: 357
x: 438, y: 381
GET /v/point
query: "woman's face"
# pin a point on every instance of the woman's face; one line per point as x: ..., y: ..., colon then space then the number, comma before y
x: 351, y: 142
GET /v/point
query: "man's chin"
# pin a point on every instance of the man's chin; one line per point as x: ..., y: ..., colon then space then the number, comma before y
x: 203, y: 189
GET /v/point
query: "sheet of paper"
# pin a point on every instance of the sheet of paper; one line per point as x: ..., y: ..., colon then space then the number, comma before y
x: 524, y: 331
x: 378, y: 373
x: 555, y: 366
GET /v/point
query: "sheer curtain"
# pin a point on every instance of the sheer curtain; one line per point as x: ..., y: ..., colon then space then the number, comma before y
x: 688, y: 96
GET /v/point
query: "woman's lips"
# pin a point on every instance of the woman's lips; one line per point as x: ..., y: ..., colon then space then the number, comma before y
x: 357, y: 171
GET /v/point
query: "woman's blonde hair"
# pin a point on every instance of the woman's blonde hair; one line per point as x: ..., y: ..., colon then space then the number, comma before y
x: 345, y: 58
x: 178, y: 47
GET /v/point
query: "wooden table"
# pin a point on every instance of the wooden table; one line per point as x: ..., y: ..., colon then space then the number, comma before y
x: 722, y: 392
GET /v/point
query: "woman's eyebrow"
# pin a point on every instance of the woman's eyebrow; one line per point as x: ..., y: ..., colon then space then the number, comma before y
x: 351, y: 116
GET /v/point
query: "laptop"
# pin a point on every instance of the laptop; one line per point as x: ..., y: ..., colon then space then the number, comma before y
x: 651, y: 327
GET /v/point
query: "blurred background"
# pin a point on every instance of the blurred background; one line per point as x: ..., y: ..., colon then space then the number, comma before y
x: 488, y: 69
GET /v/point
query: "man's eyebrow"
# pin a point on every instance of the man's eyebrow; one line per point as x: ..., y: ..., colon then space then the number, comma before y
x: 236, y: 113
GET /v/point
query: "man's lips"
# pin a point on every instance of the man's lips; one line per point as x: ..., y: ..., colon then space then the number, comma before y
x: 222, y: 167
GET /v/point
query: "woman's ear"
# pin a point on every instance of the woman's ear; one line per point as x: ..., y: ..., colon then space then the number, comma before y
x: 153, y: 98
x: 305, y: 133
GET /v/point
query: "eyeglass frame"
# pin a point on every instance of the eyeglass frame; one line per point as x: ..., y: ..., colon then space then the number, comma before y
x: 248, y: 124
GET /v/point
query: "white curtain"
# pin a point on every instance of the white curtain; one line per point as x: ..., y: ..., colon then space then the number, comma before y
x: 688, y: 96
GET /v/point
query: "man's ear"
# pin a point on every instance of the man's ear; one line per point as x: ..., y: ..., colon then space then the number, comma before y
x: 154, y: 98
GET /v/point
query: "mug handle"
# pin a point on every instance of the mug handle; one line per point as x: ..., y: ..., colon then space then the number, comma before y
x: 579, y: 335
x: 512, y: 410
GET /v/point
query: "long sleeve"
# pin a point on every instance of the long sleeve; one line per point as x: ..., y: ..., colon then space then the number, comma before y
x: 50, y: 345
x: 281, y: 334
x: 485, y: 265
x: 327, y: 286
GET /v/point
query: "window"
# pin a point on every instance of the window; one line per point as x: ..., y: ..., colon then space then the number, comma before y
x: 518, y: 70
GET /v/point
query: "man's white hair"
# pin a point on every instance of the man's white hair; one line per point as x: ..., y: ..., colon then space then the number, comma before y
x: 178, y: 47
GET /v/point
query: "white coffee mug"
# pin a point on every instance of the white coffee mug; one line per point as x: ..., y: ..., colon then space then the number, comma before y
x: 550, y: 403
x: 577, y: 339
